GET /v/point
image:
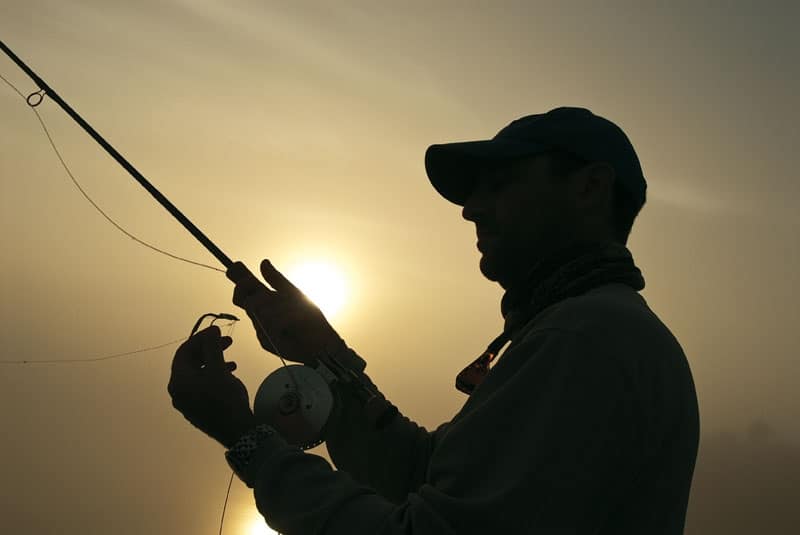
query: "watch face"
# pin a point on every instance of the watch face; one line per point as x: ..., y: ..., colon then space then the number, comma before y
x: 297, y: 402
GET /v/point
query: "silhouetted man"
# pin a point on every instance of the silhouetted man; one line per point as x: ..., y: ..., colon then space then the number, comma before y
x: 587, y: 422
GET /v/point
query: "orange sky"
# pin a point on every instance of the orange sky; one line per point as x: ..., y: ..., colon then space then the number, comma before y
x: 298, y: 133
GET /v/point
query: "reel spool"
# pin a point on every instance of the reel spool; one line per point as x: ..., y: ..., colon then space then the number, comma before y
x: 298, y: 414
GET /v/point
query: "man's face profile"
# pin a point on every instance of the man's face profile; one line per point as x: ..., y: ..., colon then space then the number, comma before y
x: 521, y: 213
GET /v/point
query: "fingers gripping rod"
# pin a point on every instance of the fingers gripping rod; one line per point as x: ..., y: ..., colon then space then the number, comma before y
x: 157, y: 195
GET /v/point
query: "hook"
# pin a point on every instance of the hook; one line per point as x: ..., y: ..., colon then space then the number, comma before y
x: 220, y: 316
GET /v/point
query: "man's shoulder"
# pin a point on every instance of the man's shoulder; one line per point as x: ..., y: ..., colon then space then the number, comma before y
x: 615, y: 316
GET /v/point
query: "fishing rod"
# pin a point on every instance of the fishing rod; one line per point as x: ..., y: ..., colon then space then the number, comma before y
x: 45, y: 89
x: 271, y: 397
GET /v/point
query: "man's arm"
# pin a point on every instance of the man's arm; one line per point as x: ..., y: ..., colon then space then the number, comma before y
x: 392, y: 460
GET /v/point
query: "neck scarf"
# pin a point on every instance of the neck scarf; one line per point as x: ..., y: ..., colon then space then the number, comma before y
x: 568, y: 272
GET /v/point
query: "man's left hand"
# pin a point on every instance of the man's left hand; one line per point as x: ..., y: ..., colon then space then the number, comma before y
x: 204, y: 389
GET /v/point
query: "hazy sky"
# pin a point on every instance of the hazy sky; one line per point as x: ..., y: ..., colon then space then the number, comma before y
x: 296, y: 131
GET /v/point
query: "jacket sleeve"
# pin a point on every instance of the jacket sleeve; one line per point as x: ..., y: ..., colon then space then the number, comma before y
x: 544, y: 445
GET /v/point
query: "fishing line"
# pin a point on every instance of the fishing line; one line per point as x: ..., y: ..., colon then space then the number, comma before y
x: 225, y: 505
x: 35, y: 99
x: 33, y: 103
x: 109, y: 357
x: 45, y: 89
x: 95, y: 359
x: 12, y: 86
x: 216, y: 317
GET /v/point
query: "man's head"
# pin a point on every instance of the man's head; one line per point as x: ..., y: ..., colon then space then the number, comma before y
x: 544, y: 183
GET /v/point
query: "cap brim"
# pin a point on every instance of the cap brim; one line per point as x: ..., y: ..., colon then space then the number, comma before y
x: 452, y: 167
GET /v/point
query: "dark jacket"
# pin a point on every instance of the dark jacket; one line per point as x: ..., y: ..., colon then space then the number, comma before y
x: 587, y: 424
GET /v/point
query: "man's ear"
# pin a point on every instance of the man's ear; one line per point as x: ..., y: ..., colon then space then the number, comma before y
x: 594, y: 184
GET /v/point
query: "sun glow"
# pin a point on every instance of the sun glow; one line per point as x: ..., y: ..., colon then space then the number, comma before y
x: 258, y: 526
x: 323, y: 283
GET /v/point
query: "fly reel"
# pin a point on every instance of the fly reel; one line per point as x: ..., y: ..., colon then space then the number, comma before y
x: 297, y: 401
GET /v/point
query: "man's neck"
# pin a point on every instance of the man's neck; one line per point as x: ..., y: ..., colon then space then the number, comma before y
x: 544, y: 265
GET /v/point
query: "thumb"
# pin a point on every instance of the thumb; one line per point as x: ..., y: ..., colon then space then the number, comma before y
x: 275, y: 278
x: 238, y: 273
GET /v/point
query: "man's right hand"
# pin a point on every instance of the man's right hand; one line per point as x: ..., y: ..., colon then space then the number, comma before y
x: 287, y: 323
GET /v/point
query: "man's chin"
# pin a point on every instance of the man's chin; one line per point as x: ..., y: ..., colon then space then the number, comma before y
x: 499, y: 269
x: 489, y: 268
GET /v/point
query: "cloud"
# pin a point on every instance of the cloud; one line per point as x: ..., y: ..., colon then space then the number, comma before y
x: 344, y: 43
x: 694, y: 198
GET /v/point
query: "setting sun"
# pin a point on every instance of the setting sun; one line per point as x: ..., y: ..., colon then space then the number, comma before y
x: 323, y: 283
x: 258, y: 526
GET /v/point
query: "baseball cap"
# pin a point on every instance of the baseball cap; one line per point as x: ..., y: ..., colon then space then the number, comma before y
x: 451, y: 166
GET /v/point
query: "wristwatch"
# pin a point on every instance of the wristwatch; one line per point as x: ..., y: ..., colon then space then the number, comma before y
x: 241, y: 453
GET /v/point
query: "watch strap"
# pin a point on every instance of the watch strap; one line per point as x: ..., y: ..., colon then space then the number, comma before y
x: 241, y: 454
